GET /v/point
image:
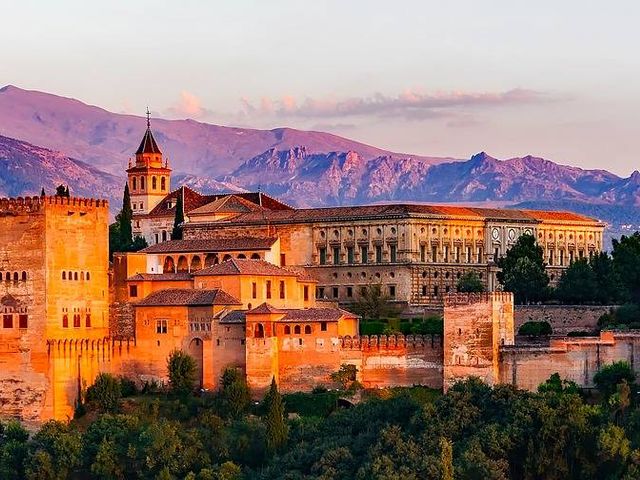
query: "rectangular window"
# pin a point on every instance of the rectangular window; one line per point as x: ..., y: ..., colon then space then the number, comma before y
x: 133, y: 291
x: 392, y: 253
x: 479, y: 254
x: 423, y: 253
x: 468, y: 254
x: 561, y: 258
x: 392, y: 291
x: 349, y: 255
x: 434, y: 254
x: 161, y: 326
x: 424, y: 290
x: 76, y: 320
x: 323, y: 326
x: 268, y: 289
x: 320, y: 292
x: 283, y: 259
x: 323, y: 256
x: 445, y: 258
x: 336, y: 255
x: 157, y: 238
x: 570, y: 257
x: 65, y: 321
x: 550, y: 262
x: 254, y: 290
x: 282, y: 289
x: 378, y: 253
x: 306, y: 292
x: 457, y: 254
x: 496, y: 254
x: 364, y: 254
x: 350, y: 292
x: 23, y: 321
x: 335, y: 292
x: 88, y: 320
x: 581, y: 254
x: 7, y: 321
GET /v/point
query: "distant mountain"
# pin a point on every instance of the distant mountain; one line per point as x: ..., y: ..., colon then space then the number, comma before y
x: 106, y: 140
x: 25, y: 169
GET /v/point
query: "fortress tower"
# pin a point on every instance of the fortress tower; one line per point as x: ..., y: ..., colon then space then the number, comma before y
x: 150, y: 177
x: 475, y: 326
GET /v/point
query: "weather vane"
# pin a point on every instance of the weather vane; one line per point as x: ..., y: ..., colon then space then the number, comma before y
x: 148, y: 118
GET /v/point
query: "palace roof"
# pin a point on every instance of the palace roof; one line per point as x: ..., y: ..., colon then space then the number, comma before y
x: 303, y: 314
x: 148, y: 144
x: 212, y: 245
x: 188, y: 297
x: 161, y: 277
x: 237, y: 266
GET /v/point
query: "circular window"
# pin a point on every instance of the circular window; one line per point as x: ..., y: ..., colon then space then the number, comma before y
x: 322, y: 234
x: 336, y: 233
x: 434, y: 230
x: 495, y: 234
x: 512, y: 234
x: 392, y: 275
x: 363, y: 274
x: 379, y: 231
x: 350, y: 233
x: 393, y: 231
x: 364, y: 232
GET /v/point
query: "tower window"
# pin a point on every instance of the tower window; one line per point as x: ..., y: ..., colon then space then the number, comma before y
x: 282, y: 289
x: 154, y: 183
x: 88, y: 320
x: 76, y: 320
x: 7, y: 321
x: 134, y: 184
x: 65, y: 321
x: 23, y: 321
x: 163, y: 184
x: 141, y: 183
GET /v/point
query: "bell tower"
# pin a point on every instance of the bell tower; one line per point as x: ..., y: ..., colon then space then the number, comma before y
x: 150, y: 177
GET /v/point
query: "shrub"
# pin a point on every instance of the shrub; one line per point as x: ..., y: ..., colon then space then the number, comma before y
x: 535, y: 328
x: 234, y: 395
x: 128, y: 387
x: 609, y: 376
x: 372, y: 327
x: 346, y: 375
x: 105, y: 392
x: 182, y: 372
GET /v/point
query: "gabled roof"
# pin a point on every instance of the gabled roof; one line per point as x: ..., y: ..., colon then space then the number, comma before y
x: 206, y: 245
x: 188, y: 297
x: 237, y: 266
x: 303, y: 314
x: 234, y: 316
x: 160, y: 277
x: 148, y: 144
x: 266, y: 308
x: 226, y: 204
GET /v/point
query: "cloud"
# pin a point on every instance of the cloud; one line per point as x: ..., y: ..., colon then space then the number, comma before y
x: 332, y: 127
x: 188, y: 106
x: 410, y: 104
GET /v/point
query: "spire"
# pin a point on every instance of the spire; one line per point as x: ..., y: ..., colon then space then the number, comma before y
x: 148, y: 144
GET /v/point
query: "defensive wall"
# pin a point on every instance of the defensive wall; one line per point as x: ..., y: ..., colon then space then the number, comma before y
x: 563, y: 319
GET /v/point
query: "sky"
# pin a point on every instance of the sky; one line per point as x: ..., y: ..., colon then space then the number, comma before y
x: 556, y: 79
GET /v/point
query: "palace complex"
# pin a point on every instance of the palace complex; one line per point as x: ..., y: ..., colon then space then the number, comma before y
x: 257, y: 285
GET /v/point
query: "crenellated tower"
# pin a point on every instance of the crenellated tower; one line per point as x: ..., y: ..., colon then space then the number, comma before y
x: 150, y: 177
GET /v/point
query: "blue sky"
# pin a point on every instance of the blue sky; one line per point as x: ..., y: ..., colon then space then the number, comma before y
x: 555, y: 79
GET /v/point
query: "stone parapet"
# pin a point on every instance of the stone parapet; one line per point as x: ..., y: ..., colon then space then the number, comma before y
x: 370, y: 342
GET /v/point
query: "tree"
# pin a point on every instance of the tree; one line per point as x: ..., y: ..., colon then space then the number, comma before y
x: 446, y: 458
x: 626, y: 260
x: 42, y: 192
x: 610, y: 376
x: 62, y: 191
x: 557, y: 385
x: 578, y: 283
x: 106, y: 392
x: 470, y: 283
x: 55, y: 452
x: 346, y: 376
x: 176, y: 234
x: 609, y: 287
x: 522, y: 270
x: 182, y: 372
x: 234, y: 394
x: 13, y: 450
x: 277, y: 430
x: 373, y: 303
x: 124, y: 219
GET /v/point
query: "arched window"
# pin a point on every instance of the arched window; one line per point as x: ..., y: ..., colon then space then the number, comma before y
x: 64, y: 275
x: 65, y: 321
x: 24, y: 276
x: 81, y: 275
x: 307, y: 329
x: 141, y: 183
x: 134, y: 184
x: 259, y: 331
x: 169, y: 265
x: 163, y: 184
x: 154, y: 183
x: 7, y: 277
x: 75, y: 275
x: 255, y: 256
x: 88, y: 320
x: 287, y: 330
x: 70, y: 275
x: 296, y: 330
x: 226, y: 257
x: 183, y: 266
x: 88, y: 276
x: 242, y: 256
x: 164, y: 235
x: 15, y: 276
x: 196, y: 263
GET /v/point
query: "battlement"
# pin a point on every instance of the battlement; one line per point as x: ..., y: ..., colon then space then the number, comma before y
x: 457, y: 299
x: 371, y: 342
x: 14, y: 205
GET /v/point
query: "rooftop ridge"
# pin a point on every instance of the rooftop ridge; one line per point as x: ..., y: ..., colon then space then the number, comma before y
x: 400, y: 341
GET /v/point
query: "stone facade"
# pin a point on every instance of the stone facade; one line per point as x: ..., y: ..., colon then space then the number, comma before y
x: 563, y: 319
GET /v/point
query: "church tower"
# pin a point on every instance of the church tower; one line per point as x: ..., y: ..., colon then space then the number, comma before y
x: 150, y: 177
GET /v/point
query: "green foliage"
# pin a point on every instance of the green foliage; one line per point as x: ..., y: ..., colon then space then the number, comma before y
x: 446, y: 458
x: 62, y: 191
x: 535, y: 328
x: 609, y: 286
x: 234, y: 394
x: 311, y: 405
x: 470, y: 283
x: 557, y: 385
x: 276, y: 427
x: 346, y: 376
x: 105, y: 392
x: 522, y: 271
x: 577, y: 283
x: 178, y: 220
x: 13, y: 450
x: 182, y: 370
x: 626, y: 260
x: 623, y: 317
x: 610, y: 376
x: 121, y: 232
x: 55, y: 452
x: 373, y: 303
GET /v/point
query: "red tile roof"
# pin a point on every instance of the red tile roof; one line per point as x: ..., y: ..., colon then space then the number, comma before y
x: 237, y: 266
x: 303, y: 314
x: 265, y: 308
x: 148, y: 144
x: 228, y: 204
x: 212, y: 245
x: 160, y: 277
x: 187, y: 297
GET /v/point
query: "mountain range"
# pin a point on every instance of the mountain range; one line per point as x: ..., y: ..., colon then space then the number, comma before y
x: 47, y: 139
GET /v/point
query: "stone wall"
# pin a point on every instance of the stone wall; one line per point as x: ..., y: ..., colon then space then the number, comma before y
x: 562, y: 318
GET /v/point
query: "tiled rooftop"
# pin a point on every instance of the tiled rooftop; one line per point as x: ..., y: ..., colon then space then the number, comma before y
x: 237, y: 266
x: 188, y: 297
x: 212, y: 245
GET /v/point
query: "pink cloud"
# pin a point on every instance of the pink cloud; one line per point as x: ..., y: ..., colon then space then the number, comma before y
x: 188, y: 106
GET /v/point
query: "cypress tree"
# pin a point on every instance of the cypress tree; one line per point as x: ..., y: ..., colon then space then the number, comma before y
x: 42, y: 193
x: 66, y: 192
x: 176, y: 234
x: 124, y: 219
x: 446, y: 458
x: 277, y: 430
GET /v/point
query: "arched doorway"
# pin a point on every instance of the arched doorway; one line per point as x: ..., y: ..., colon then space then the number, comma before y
x: 210, y: 260
x: 258, y: 332
x: 226, y: 258
x: 196, y: 350
x: 183, y: 266
x: 196, y: 263
x: 169, y: 265
x: 255, y: 256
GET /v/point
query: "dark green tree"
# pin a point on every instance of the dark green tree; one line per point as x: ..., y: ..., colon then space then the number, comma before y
x: 62, y: 191
x: 610, y: 376
x: 373, y: 303
x: 176, y: 234
x: 578, y: 283
x: 182, y: 372
x: 42, y: 192
x: 522, y: 271
x: 609, y: 290
x: 105, y: 392
x: 626, y: 260
x: 446, y: 458
x: 234, y: 392
x: 124, y: 219
x: 345, y: 376
x: 55, y: 452
x: 470, y: 283
x: 277, y: 430
x: 13, y: 450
